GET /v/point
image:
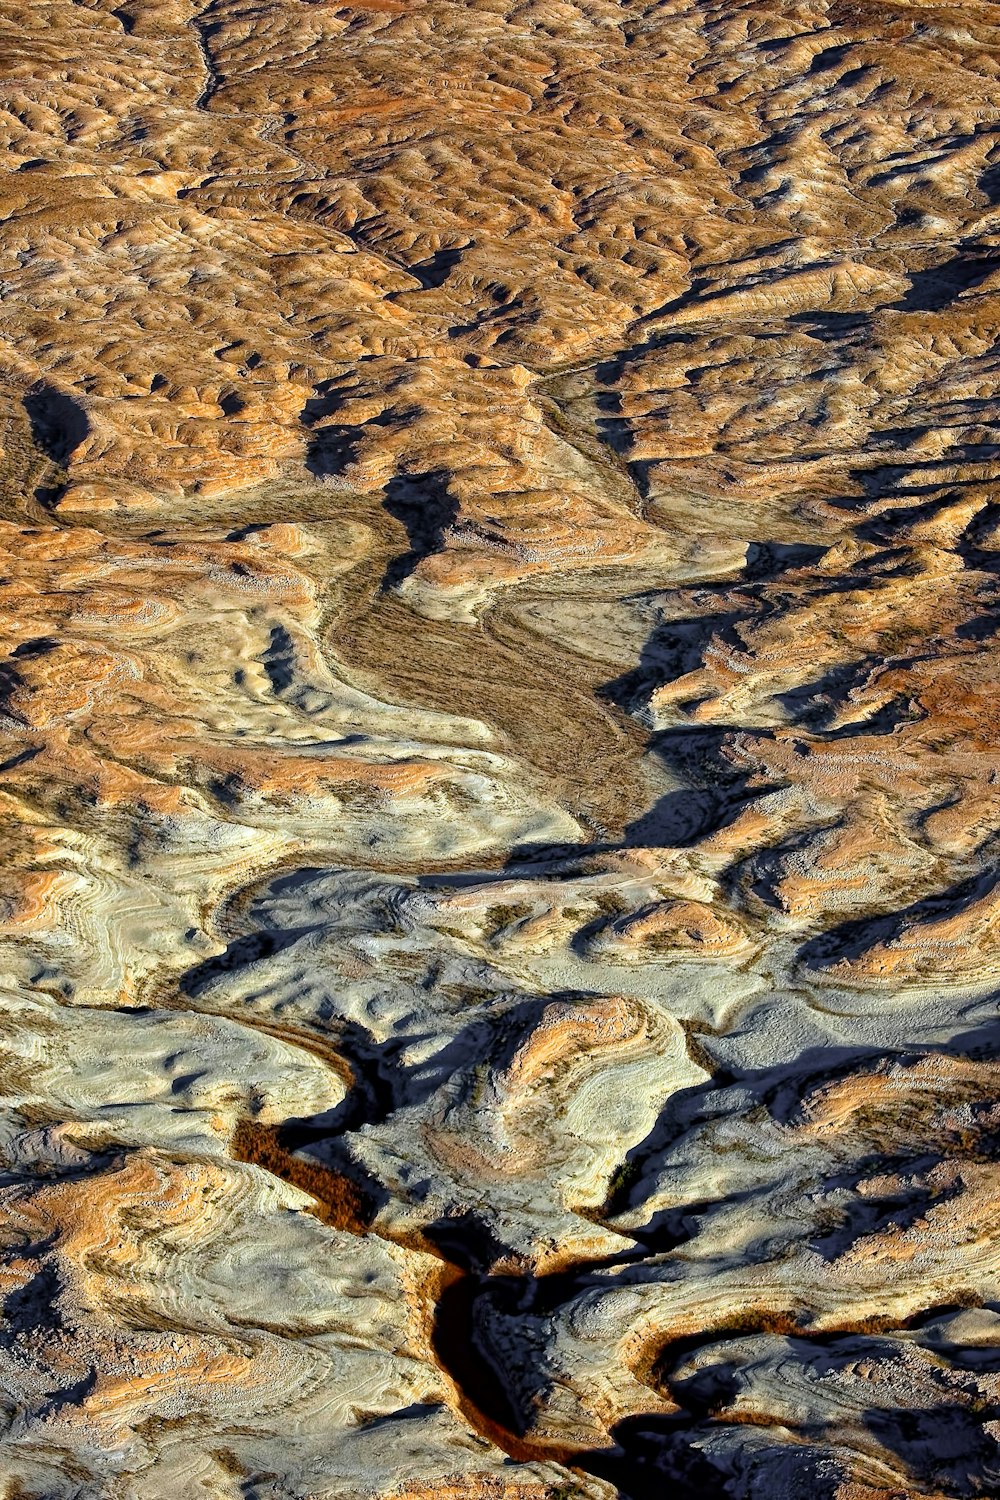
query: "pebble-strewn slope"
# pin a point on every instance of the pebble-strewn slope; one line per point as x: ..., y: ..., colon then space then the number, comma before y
x: 500, y: 781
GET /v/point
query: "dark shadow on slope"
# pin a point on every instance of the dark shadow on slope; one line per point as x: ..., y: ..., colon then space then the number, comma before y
x: 674, y: 649
x: 657, y: 1458
x: 938, y: 286
x: 238, y: 954
x: 862, y: 1214
x: 768, y: 561
x: 715, y: 793
x: 435, y: 269
x: 943, y: 1445
x: 325, y: 401
x: 59, y: 425
x: 422, y: 503
x: 417, y: 1412
x: 833, y: 327
x: 330, y: 450
x: 850, y: 940
x: 681, y: 819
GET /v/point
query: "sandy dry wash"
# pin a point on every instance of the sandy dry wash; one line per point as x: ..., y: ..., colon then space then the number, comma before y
x: 500, y: 766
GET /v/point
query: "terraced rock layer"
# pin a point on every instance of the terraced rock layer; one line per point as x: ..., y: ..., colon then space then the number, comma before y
x: 500, y: 907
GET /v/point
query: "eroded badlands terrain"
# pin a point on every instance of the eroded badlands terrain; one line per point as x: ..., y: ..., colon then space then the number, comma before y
x: 500, y: 897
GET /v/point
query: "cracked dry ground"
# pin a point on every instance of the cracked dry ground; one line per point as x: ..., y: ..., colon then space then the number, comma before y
x: 500, y: 897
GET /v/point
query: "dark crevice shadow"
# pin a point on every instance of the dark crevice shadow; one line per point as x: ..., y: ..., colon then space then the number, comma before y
x: 673, y: 649
x: 946, y: 1441
x: 325, y: 401
x: 240, y: 953
x: 833, y: 327
x: 461, y: 1339
x: 938, y: 286
x: 766, y: 562
x: 685, y: 299
x: 812, y: 704
x: 989, y: 182
x: 677, y: 647
x: 35, y: 1304
x: 830, y: 57
x: 914, y: 502
x: 850, y: 940
x: 330, y: 451
x: 279, y: 660
x: 435, y: 269
x: 415, y: 1412
x: 205, y: 31
x: 681, y: 819
x: 862, y: 1215
x: 657, y: 1458
x: 714, y: 794
x: 455, y: 1343
x: 425, y: 508
x: 332, y: 447
x: 73, y: 1395
x: 59, y: 425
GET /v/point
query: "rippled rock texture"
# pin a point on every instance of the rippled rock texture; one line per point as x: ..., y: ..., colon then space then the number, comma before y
x: 500, y: 906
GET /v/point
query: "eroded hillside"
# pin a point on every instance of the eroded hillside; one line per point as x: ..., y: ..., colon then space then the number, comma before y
x: 500, y: 907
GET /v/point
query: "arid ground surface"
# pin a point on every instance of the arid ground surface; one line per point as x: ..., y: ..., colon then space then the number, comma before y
x: 500, y: 880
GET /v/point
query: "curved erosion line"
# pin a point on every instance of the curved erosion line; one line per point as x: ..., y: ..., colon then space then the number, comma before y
x: 561, y: 710
x: 545, y: 722
x: 479, y: 1393
x: 343, y: 1204
x: 364, y: 621
x: 212, y: 79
